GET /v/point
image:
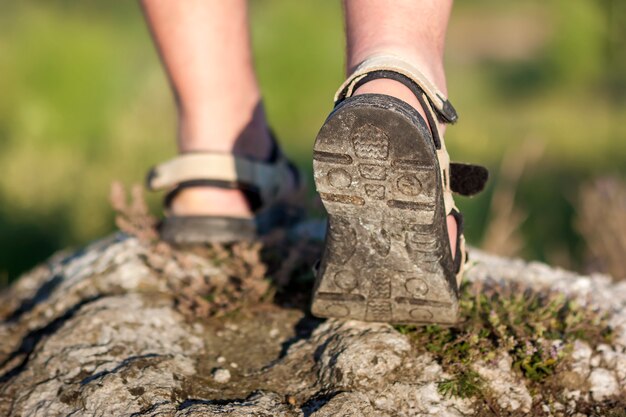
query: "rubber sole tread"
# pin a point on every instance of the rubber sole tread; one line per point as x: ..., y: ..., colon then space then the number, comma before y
x: 386, y: 256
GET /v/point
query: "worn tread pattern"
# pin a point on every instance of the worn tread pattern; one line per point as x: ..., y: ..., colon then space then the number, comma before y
x: 376, y: 171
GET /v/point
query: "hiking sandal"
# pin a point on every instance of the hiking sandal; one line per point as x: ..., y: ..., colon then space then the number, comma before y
x: 385, y: 179
x: 273, y: 202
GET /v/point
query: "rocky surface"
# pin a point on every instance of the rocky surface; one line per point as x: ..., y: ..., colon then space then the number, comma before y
x: 98, y: 333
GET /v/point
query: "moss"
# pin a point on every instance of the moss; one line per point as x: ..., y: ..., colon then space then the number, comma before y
x: 536, y: 329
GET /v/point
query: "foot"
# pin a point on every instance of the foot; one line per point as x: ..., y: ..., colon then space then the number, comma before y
x: 215, y: 201
x: 400, y: 91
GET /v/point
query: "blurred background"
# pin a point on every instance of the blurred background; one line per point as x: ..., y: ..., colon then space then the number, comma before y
x: 540, y: 88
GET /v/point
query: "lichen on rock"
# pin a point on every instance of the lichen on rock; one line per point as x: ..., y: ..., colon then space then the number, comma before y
x: 113, y: 329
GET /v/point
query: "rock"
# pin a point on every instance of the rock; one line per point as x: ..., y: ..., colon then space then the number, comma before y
x: 608, y: 355
x: 101, y: 332
x: 257, y: 405
x: 410, y: 399
x: 221, y: 375
x: 362, y: 357
x: 509, y: 391
x: 603, y: 384
x: 581, y: 358
x: 595, y: 361
x: 348, y: 404
x: 620, y: 371
x: 110, y: 357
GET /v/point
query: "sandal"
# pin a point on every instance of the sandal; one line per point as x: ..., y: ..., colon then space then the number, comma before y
x: 273, y: 202
x: 386, y: 181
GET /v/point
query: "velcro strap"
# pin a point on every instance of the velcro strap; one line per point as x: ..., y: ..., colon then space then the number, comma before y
x: 441, y: 104
x: 467, y: 179
x: 267, y: 178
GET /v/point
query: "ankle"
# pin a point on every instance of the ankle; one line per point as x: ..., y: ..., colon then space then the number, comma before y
x: 225, y: 127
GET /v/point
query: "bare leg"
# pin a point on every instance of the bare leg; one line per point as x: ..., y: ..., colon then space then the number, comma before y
x: 205, y: 47
x: 412, y: 29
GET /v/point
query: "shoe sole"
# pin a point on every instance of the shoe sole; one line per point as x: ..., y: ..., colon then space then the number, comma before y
x: 386, y: 257
x: 200, y: 230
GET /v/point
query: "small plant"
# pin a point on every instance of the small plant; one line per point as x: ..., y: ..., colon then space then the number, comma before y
x: 534, y: 329
x: 132, y: 213
x: 241, y: 280
x: 247, y: 274
x: 466, y: 384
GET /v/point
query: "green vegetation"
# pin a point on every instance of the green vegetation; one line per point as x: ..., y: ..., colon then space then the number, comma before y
x: 84, y: 102
x: 466, y: 384
x: 535, y: 329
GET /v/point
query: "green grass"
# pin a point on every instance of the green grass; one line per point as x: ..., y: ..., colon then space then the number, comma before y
x: 84, y: 101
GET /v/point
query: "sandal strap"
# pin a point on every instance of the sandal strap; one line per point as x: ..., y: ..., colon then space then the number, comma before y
x: 225, y: 170
x: 467, y: 179
x: 444, y: 109
x: 462, y: 179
